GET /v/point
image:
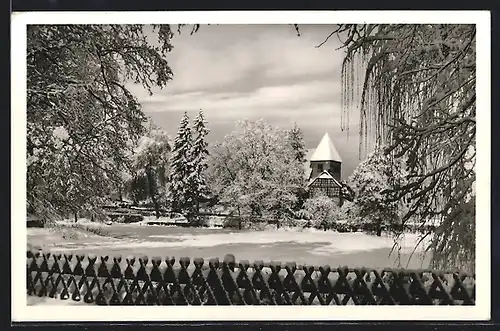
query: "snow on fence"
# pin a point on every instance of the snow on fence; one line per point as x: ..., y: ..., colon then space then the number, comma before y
x: 156, y: 281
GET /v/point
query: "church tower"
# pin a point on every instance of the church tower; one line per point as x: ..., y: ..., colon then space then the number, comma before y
x: 326, y: 157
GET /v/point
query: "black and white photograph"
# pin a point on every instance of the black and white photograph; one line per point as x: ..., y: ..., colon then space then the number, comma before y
x: 306, y: 162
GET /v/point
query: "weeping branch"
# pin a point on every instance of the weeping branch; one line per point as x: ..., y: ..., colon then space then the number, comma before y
x: 418, y: 99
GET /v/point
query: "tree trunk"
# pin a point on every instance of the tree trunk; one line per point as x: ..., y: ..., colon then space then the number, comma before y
x: 239, y: 218
x: 134, y: 196
x: 197, y: 210
x: 152, y: 192
x: 76, y: 216
x: 157, y: 206
x: 379, y: 228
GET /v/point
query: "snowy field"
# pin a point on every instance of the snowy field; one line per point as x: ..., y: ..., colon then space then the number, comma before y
x: 312, y: 247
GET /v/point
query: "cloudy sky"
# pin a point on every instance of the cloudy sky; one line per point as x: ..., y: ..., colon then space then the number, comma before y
x: 236, y: 72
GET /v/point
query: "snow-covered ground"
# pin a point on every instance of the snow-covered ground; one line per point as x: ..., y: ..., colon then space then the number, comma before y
x: 329, y: 241
x: 82, y: 221
x: 305, y: 246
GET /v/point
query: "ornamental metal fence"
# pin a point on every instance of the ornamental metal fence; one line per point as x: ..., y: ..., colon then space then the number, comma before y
x: 156, y: 281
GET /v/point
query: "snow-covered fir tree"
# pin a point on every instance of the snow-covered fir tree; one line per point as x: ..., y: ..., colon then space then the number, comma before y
x: 181, y: 169
x: 298, y: 144
x: 198, y: 161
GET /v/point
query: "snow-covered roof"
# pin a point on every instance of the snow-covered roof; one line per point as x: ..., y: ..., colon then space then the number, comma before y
x: 326, y: 151
x: 326, y: 175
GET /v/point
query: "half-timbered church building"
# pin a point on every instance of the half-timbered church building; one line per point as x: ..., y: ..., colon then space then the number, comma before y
x: 325, y: 170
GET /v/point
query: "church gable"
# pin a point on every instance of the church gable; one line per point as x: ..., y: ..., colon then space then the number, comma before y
x: 326, y: 184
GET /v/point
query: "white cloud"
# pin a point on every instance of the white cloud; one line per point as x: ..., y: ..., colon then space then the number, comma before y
x: 299, y: 57
x: 241, y: 57
x: 309, y: 100
x: 200, y: 68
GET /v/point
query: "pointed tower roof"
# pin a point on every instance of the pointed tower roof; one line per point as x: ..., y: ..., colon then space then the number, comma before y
x: 326, y: 151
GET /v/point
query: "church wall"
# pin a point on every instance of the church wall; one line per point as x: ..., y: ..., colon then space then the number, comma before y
x: 332, y: 193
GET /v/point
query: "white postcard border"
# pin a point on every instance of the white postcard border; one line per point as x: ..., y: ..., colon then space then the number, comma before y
x: 22, y: 312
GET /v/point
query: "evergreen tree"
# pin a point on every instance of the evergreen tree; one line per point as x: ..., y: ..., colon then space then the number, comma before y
x: 198, y: 158
x: 179, y: 194
x: 296, y: 139
x: 298, y: 145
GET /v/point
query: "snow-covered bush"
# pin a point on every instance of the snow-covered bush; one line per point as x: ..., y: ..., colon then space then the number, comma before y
x: 322, y: 210
x: 302, y: 214
x: 349, y: 212
x: 295, y: 223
